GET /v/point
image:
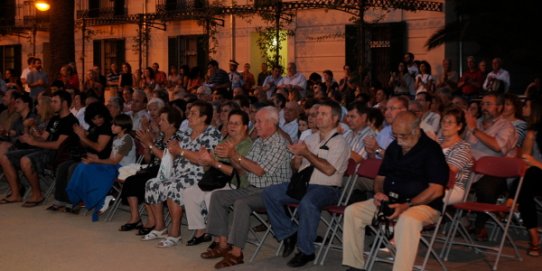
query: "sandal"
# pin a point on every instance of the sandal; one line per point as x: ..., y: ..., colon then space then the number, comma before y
x: 155, y: 234
x: 170, y: 241
x: 534, y: 250
x: 216, y: 252
x: 8, y: 201
x: 229, y: 260
x: 30, y: 204
x: 144, y: 230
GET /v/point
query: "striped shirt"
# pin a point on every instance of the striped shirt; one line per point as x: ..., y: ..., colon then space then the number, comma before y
x: 272, y: 155
x: 459, y: 156
x: 355, y: 140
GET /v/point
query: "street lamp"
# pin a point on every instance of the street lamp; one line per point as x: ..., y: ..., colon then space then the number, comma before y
x: 42, y: 5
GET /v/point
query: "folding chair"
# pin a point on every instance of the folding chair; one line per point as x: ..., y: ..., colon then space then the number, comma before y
x: 498, y: 167
x: 259, y: 241
x: 117, y: 189
x: 367, y: 169
x: 381, y: 237
x: 343, y: 200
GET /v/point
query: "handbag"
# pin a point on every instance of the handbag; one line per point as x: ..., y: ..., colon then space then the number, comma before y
x: 299, y: 182
x: 214, y: 178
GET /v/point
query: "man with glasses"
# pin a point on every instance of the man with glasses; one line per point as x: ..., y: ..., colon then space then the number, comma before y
x: 376, y: 146
x: 491, y: 135
x: 418, y: 186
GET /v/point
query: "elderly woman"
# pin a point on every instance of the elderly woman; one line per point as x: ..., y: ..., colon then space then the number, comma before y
x: 115, y: 106
x: 133, y: 190
x: 457, y: 152
x: 196, y: 200
x: 152, y: 124
x: 186, y: 173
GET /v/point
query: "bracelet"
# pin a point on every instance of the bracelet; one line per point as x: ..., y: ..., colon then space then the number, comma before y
x: 150, y: 147
x: 239, y: 159
x: 218, y: 165
x: 182, y: 153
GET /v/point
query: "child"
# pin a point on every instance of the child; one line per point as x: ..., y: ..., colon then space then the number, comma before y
x: 93, y: 178
x: 302, y: 124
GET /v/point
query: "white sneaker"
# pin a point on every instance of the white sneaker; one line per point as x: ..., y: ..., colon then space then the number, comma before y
x: 108, y: 199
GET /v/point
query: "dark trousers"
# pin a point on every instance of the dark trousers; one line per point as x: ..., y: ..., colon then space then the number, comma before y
x: 134, y: 186
x: 532, y: 187
x: 488, y: 189
x: 63, y: 174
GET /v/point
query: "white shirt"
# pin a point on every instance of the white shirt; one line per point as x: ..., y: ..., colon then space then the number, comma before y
x: 297, y: 79
x: 501, y: 75
x: 291, y: 128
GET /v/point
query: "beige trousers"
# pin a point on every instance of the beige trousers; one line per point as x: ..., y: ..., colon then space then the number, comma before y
x: 407, y: 233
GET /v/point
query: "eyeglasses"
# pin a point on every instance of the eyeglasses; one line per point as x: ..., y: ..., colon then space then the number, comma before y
x: 402, y: 136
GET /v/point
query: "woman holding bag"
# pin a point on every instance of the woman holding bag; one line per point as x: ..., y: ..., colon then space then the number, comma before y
x: 196, y: 200
x: 186, y: 172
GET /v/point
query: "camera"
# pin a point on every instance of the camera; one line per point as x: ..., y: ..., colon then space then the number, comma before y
x: 385, y: 210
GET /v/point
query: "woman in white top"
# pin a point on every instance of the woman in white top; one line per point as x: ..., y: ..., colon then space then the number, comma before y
x: 424, y: 80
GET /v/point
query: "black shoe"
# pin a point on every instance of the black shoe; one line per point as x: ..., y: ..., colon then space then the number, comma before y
x: 130, y: 226
x: 289, y: 245
x: 198, y: 240
x: 354, y: 269
x: 144, y: 231
x: 300, y: 259
x: 260, y: 228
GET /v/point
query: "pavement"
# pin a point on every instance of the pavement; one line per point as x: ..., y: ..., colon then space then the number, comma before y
x: 37, y: 239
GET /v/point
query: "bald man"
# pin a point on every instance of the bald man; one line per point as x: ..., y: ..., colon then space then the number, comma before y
x: 413, y: 174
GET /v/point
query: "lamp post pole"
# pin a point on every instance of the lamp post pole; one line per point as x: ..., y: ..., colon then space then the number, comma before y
x: 34, y: 32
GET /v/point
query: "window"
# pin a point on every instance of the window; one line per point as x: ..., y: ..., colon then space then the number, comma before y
x: 10, y: 57
x: 107, y: 52
x: 106, y: 8
x: 188, y: 50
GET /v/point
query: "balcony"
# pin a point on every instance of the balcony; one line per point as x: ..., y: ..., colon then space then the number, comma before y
x: 102, y: 9
x: 170, y: 6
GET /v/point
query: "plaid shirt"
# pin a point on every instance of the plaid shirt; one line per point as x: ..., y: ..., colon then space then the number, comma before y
x: 272, y: 155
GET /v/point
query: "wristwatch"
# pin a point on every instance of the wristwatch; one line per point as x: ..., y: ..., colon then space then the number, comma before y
x: 379, y: 151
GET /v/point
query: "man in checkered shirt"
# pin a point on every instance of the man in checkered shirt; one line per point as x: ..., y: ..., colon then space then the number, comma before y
x: 266, y: 164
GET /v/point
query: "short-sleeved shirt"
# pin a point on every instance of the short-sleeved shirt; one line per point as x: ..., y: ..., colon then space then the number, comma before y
x: 219, y: 77
x: 273, y: 156
x: 33, y: 77
x: 94, y: 132
x: 185, y: 171
x: 297, y: 79
x: 502, y: 130
x: 409, y: 174
x: 336, y: 154
x: 469, y: 77
x: 460, y: 156
x: 356, y: 140
x: 243, y: 148
x: 61, y: 126
x: 161, y: 143
x: 125, y: 146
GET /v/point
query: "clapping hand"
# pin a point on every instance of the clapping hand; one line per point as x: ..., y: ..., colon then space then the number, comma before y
x: 145, y: 137
x: 204, y: 157
x: 298, y: 149
x: 174, y: 147
x: 225, y: 149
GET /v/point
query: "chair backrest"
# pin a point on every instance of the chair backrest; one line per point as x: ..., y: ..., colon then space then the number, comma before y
x: 451, y: 180
x: 369, y: 168
x: 502, y: 167
x: 351, y: 169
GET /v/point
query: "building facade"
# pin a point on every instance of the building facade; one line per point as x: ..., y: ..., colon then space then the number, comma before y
x: 322, y: 34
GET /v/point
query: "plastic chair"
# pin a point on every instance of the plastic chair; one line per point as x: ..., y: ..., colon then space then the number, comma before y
x: 498, y: 167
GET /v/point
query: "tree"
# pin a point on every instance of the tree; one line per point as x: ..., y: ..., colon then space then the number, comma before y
x: 61, y: 35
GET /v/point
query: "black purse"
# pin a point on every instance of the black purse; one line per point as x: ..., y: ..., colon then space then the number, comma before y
x: 299, y: 182
x: 214, y: 178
